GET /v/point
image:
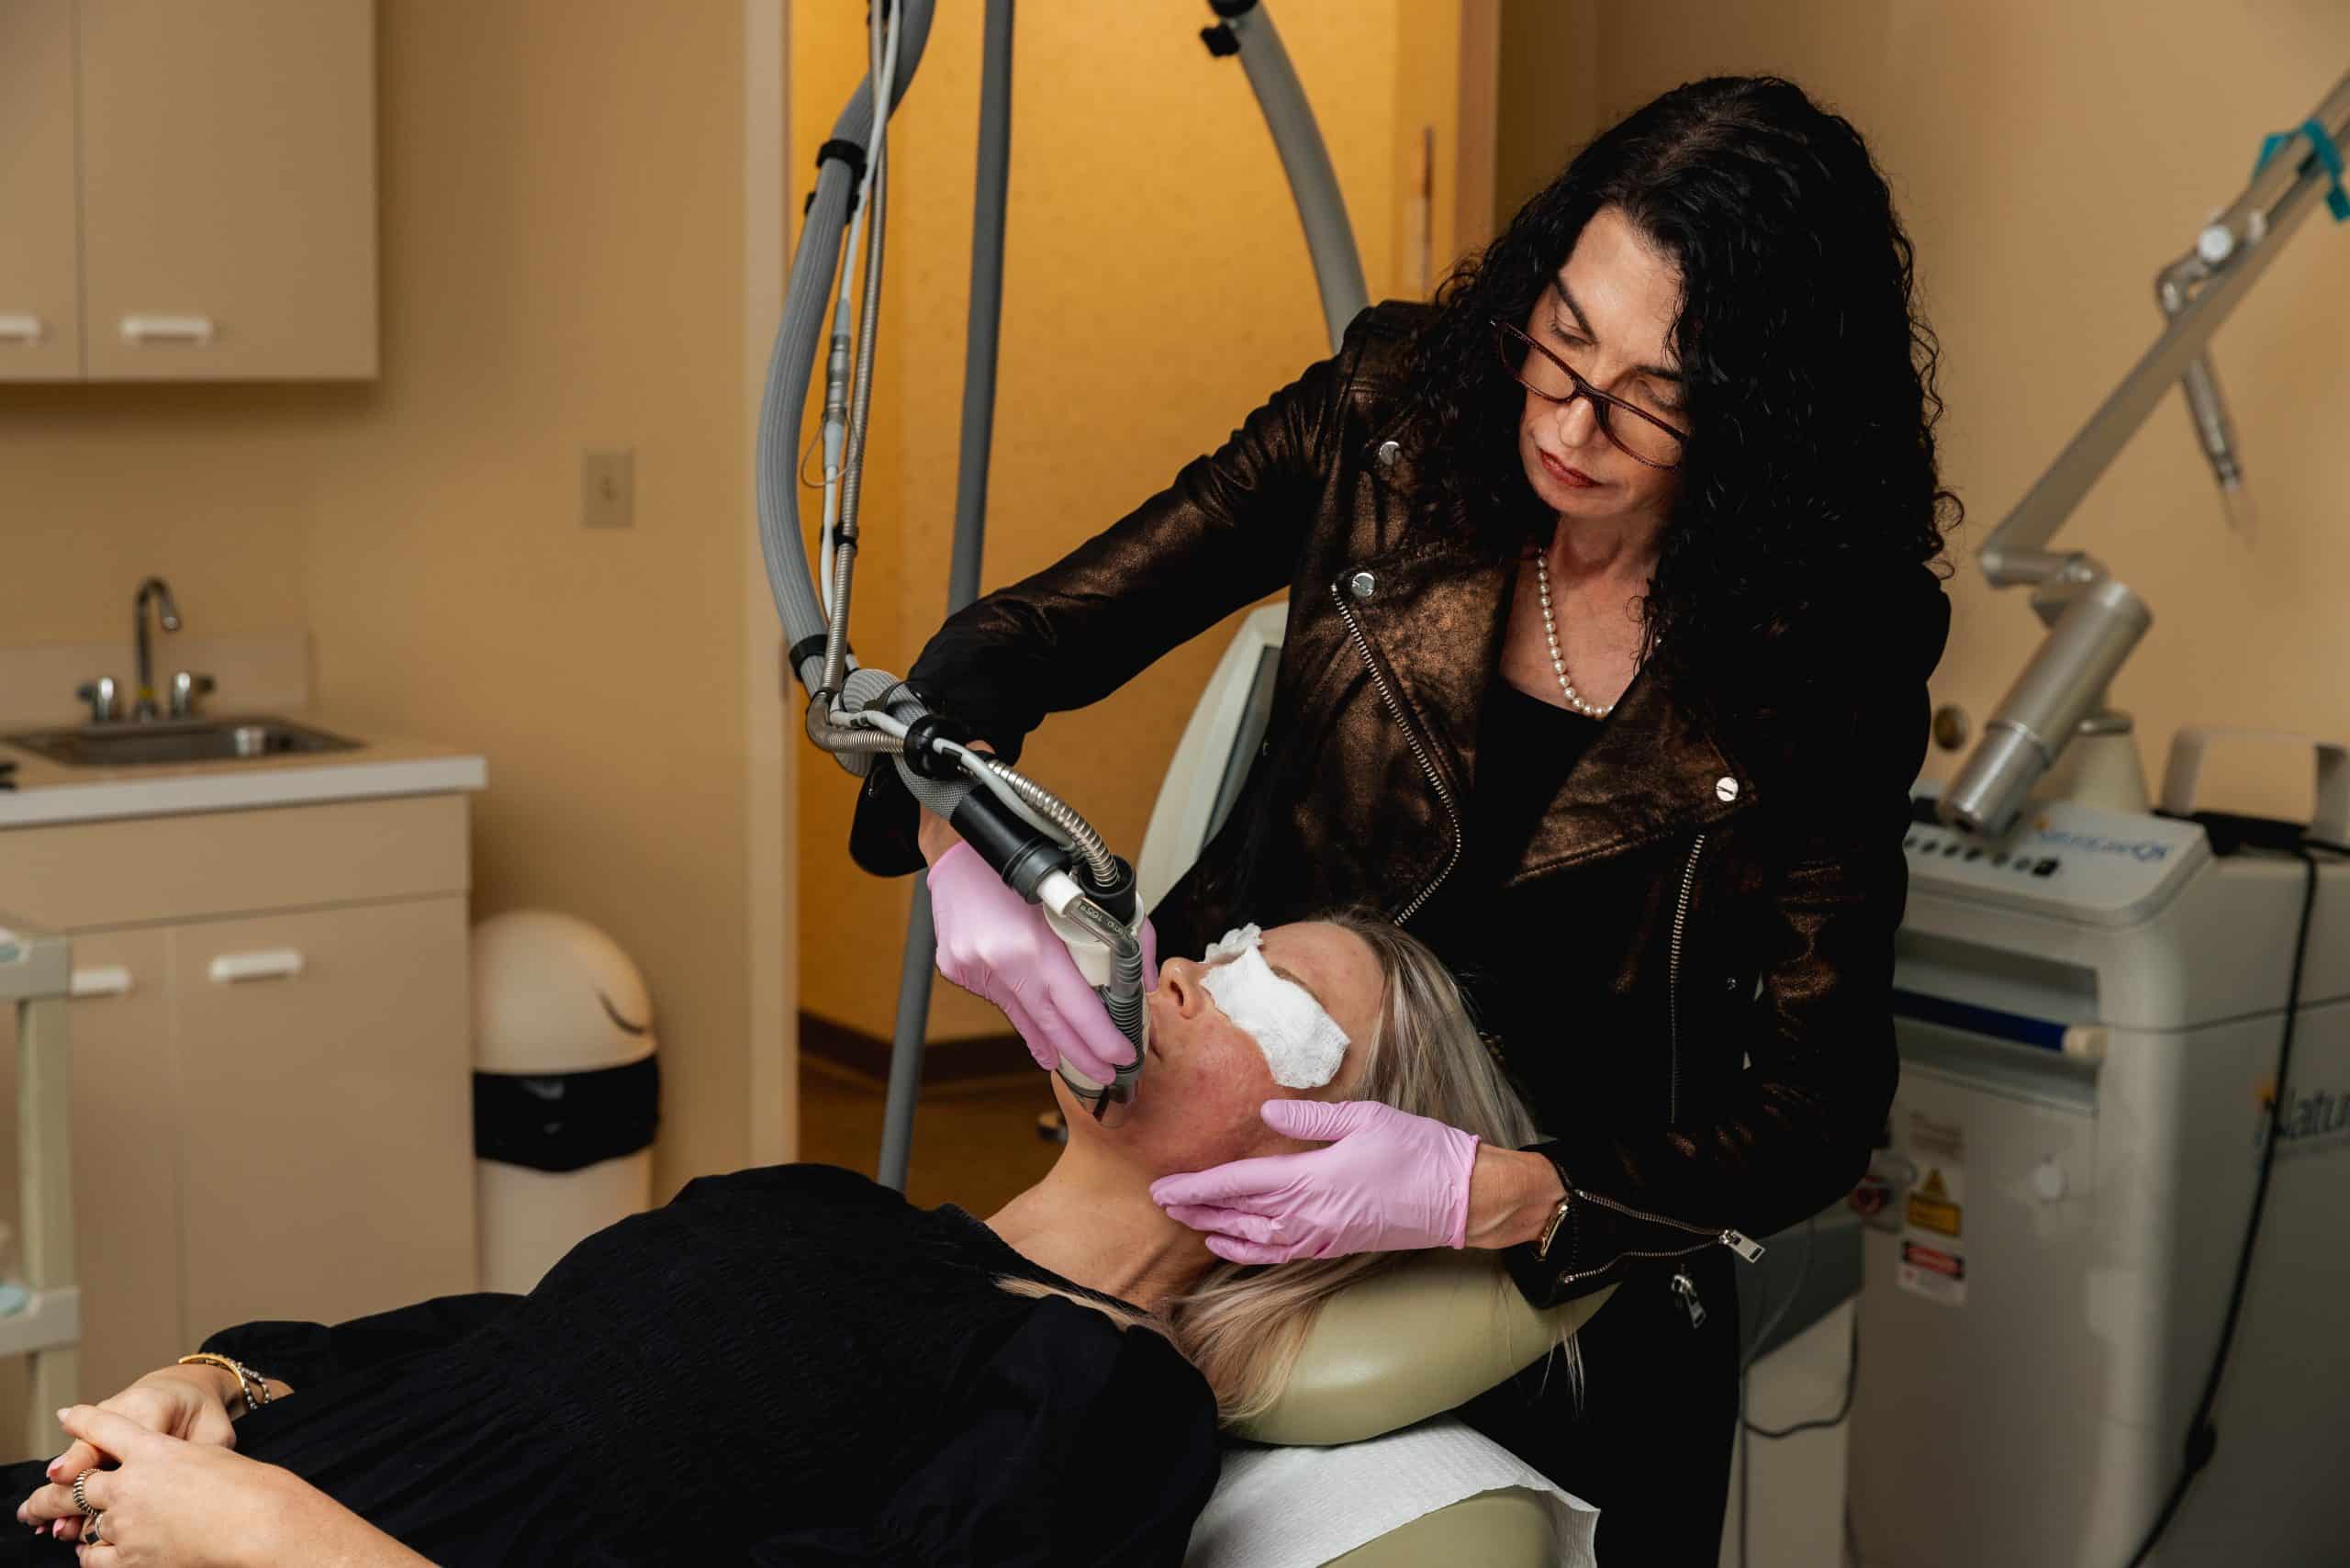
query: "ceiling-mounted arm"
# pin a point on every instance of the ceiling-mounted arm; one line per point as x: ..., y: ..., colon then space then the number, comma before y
x: 2094, y: 622
x: 1247, y: 31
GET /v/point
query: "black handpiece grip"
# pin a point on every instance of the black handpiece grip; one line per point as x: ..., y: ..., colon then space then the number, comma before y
x: 1006, y: 840
x: 925, y: 760
x: 1119, y: 898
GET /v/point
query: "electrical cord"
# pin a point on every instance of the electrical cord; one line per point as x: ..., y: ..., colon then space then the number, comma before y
x: 1786, y: 1303
x: 1752, y: 1353
x: 1843, y: 1409
x: 2202, y: 1436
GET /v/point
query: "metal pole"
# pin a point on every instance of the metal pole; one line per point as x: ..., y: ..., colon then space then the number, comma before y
x: 970, y: 530
x: 906, y: 1041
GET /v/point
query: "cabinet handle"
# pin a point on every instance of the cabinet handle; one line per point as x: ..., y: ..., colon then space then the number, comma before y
x: 276, y: 963
x: 107, y: 980
x: 167, y: 329
x: 18, y: 327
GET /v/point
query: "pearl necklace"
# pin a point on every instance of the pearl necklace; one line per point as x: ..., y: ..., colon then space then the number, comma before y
x: 1558, y: 661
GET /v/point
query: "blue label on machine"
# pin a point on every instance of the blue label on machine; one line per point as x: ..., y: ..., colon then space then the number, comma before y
x: 2041, y: 1033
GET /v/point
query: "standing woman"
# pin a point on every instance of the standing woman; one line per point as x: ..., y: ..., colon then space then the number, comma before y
x: 1612, y: 601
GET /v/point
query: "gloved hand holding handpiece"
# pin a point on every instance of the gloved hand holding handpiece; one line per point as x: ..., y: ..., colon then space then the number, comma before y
x: 999, y: 947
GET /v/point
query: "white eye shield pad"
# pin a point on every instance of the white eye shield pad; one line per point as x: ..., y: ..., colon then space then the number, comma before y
x: 1302, y: 1044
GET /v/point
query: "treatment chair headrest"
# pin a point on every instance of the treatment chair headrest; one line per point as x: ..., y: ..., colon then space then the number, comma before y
x: 1412, y: 1343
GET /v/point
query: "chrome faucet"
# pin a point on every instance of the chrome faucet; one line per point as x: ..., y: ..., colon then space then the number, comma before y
x: 143, y: 707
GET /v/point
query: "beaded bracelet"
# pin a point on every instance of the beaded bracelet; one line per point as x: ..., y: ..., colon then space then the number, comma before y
x: 255, y: 1386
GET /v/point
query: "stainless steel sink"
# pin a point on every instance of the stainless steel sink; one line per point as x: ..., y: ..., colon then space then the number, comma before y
x: 176, y: 740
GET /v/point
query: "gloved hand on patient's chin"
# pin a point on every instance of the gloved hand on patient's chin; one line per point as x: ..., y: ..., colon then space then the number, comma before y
x: 1387, y: 1180
x: 995, y: 945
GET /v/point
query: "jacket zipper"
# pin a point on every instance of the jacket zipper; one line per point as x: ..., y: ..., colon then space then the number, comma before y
x: 1673, y: 980
x: 1747, y: 1250
x: 1419, y: 755
x: 1745, y: 1246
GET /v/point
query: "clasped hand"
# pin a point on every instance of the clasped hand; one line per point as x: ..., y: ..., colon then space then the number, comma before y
x: 175, y: 1491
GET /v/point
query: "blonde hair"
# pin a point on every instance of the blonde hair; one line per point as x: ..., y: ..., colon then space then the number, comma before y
x: 1243, y: 1327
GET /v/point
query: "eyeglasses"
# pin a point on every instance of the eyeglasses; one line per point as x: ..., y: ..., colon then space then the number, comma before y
x: 1639, y: 435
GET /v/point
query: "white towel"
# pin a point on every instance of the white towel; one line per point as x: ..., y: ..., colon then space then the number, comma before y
x: 1296, y: 1507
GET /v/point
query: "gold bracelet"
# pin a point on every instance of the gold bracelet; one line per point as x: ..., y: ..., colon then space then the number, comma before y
x: 254, y: 1387
x: 1550, y: 1228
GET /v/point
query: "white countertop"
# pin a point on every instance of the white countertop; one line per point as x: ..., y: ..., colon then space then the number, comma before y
x: 49, y: 791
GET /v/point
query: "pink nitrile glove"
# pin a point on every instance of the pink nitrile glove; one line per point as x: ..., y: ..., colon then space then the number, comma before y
x: 995, y: 945
x: 1389, y: 1181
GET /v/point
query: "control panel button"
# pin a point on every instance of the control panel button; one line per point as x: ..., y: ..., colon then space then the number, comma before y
x: 2046, y: 868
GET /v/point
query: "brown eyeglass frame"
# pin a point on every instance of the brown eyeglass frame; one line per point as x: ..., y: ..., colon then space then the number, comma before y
x: 1505, y: 336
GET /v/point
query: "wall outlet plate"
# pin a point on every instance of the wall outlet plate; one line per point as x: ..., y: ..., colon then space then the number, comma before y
x: 608, y: 487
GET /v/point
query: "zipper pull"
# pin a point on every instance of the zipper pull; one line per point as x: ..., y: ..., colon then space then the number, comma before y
x: 1746, y: 1247
x: 1687, y: 1289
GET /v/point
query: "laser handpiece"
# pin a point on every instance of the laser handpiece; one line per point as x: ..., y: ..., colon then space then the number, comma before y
x: 1099, y: 924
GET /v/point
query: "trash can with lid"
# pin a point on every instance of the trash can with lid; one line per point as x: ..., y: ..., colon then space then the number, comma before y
x: 567, y: 1089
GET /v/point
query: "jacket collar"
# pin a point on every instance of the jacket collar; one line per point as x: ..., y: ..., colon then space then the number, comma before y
x: 1435, y: 613
x: 1653, y: 771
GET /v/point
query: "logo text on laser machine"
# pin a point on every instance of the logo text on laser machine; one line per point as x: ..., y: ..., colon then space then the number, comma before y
x: 2145, y: 850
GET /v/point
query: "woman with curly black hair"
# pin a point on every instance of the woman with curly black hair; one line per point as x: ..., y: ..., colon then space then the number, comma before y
x: 1612, y: 599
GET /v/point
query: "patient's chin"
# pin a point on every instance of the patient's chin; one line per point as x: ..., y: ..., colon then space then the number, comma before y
x: 1167, y: 1131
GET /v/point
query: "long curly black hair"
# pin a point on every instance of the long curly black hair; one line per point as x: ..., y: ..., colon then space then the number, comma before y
x: 1809, y: 372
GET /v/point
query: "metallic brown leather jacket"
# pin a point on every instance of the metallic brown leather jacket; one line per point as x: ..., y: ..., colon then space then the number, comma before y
x: 1697, y: 1007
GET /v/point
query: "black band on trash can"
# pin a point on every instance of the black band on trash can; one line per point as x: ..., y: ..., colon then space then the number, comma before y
x: 567, y: 1121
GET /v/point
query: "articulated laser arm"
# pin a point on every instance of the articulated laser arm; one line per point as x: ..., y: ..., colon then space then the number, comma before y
x: 1037, y: 842
x: 2094, y: 621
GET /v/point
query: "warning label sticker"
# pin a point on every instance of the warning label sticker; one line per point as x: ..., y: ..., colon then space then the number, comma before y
x: 1927, y: 1215
x: 1933, y: 1258
x: 1950, y: 1265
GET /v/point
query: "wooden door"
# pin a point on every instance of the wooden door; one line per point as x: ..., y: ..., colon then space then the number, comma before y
x: 229, y: 189
x: 326, y: 1097
x: 40, y: 311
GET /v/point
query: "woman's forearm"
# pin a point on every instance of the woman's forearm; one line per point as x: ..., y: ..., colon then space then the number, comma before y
x: 322, y: 1533
x: 366, y: 1547
x: 1512, y: 1193
x: 232, y: 1393
x: 935, y: 834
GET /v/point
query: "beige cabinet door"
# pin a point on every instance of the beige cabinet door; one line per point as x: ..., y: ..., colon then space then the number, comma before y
x: 227, y: 189
x: 326, y: 1097
x: 40, y: 312
x: 125, y: 1137
x: 126, y: 1158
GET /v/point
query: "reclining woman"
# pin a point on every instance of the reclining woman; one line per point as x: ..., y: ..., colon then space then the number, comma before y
x: 791, y: 1364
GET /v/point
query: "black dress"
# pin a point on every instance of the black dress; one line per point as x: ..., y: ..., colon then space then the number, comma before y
x: 1647, y: 1437
x: 785, y: 1365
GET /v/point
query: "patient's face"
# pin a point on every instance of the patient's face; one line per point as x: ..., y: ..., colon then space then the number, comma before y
x: 1205, y: 1081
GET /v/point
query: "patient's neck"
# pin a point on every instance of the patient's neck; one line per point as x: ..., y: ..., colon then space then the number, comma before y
x: 1090, y: 1220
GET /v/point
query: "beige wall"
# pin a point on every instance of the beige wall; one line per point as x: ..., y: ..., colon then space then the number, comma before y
x: 2047, y: 158
x: 1157, y: 288
x: 563, y: 197
x: 1549, y: 99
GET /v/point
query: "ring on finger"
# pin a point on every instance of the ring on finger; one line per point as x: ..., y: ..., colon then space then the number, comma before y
x: 80, y: 1501
x: 91, y: 1536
